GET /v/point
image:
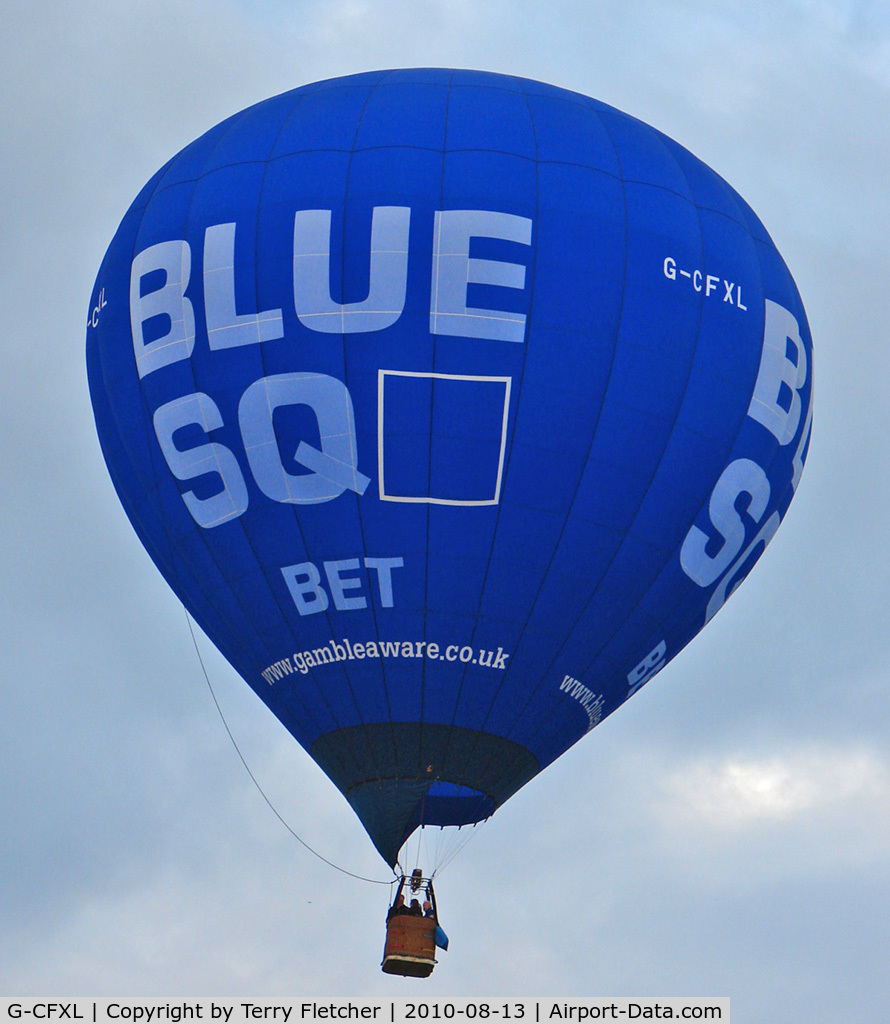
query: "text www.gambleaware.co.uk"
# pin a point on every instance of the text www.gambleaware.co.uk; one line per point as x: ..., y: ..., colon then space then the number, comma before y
x: 303, y: 661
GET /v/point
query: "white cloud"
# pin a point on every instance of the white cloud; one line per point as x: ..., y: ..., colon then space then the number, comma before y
x: 737, y: 793
x: 746, y: 821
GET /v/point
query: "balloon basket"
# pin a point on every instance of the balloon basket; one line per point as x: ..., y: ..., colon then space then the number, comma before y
x: 410, y: 946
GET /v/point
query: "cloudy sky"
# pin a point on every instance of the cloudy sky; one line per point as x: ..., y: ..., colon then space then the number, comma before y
x: 726, y: 833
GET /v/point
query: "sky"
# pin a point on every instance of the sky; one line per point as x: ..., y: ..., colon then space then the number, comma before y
x: 726, y: 833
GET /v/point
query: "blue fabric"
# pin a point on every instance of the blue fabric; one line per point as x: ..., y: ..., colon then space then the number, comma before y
x: 446, y: 400
x: 441, y: 938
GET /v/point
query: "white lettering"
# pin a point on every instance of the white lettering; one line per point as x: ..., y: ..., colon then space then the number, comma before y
x: 101, y: 303
x: 171, y: 261
x: 591, y: 702
x: 333, y: 467
x: 225, y: 327
x: 740, y: 477
x: 733, y: 578
x: 776, y: 402
x: 652, y: 664
x: 732, y: 293
x: 797, y: 461
x: 454, y: 269
x: 384, y: 568
x: 304, y: 583
x: 162, y: 318
x: 388, y: 276
x: 200, y: 410
x: 339, y: 585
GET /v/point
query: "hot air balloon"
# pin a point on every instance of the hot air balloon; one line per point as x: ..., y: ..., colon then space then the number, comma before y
x: 452, y: 406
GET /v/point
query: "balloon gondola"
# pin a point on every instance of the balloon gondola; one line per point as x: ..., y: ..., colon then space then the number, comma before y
x: 452, y: 406
x: 412, y: 929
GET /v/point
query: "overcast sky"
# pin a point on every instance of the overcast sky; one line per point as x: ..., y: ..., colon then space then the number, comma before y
x: 726, y: 833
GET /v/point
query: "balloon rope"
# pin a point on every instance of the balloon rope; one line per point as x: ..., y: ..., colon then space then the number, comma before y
x: 302, y: 842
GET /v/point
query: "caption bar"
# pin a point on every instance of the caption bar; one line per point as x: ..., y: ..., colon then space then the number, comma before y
x: 382, y: 1011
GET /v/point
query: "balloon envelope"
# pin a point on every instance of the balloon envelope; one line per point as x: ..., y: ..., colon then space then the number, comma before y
x: 452, y: 406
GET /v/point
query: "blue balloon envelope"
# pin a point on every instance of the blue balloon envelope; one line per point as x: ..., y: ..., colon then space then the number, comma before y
x: 452, y: 406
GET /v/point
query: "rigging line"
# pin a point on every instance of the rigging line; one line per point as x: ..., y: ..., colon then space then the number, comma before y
x: 455, y: 845
x: 253, y: 779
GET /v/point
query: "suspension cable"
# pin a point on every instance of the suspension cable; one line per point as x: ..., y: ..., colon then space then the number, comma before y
x: 299, y: 839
